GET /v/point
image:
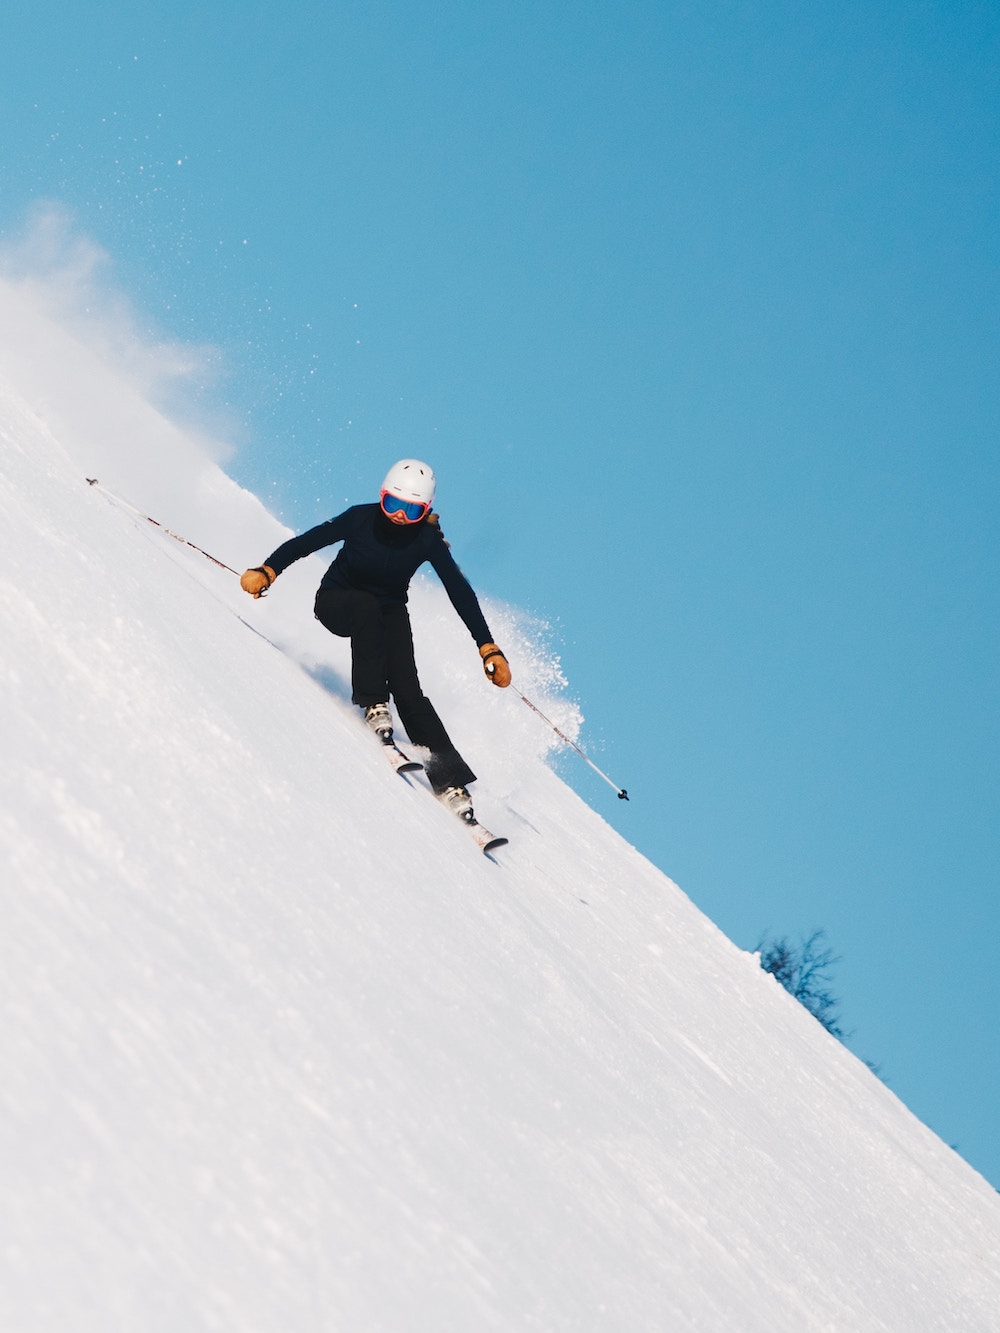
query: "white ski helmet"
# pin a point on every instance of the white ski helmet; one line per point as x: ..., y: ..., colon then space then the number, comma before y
x: 409, y: 479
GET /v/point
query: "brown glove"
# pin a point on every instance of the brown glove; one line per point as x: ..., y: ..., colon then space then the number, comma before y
x: 257, y: 581
x: 495, y: 665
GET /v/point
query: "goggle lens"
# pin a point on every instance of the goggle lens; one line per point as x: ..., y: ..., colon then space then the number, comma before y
x: 412, y: 510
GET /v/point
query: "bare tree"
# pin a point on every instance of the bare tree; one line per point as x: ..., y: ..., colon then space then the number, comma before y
x: 803, y: 970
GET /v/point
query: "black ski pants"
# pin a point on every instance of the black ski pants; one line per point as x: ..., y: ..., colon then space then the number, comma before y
x: 382, y: 663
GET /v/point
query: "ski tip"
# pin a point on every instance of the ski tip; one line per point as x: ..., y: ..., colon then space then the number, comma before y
x: 493, y: 844
x: 411, y: 766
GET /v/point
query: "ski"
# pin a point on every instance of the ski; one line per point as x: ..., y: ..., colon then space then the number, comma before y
x: 399, y: 761
x: 485, y: 840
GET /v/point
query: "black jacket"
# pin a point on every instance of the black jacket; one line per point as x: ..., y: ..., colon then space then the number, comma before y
x: 382, y: 557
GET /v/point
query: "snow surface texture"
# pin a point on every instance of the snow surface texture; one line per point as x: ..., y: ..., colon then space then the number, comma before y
x: 283, y: 1051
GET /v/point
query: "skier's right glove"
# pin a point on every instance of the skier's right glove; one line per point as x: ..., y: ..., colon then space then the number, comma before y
x: 257, y: 581
x: 495, y: 665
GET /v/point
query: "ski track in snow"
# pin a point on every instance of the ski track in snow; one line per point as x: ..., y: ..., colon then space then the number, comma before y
x: 283, y: 1051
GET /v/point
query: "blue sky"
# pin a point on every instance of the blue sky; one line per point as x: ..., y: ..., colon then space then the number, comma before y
x: 694, y: 310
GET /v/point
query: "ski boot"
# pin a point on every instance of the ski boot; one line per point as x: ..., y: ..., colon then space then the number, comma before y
x: 379, y: 719
x: 459, y: 802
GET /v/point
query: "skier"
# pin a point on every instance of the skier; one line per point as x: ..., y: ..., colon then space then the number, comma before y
x: 363, y: 597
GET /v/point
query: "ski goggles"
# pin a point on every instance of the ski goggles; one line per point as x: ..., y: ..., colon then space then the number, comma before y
x: 412, y: 510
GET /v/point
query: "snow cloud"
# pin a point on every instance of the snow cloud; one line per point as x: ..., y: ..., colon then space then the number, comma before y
x: 71, y: 341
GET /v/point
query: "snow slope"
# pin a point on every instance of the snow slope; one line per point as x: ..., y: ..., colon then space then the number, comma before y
x: 282, y: 1051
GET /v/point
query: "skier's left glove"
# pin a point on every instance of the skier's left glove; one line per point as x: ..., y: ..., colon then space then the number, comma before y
x: 495, y: 665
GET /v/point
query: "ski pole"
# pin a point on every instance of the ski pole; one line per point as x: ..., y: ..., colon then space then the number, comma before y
x: 117, y: 499
x: 622, y: 793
